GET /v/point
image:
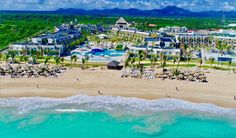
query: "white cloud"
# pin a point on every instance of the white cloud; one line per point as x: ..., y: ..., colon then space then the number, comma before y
x: 195, y: 5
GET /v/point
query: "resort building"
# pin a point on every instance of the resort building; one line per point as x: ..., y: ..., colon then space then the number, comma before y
x: 46, y: 49
x: 229, y: 40
x: 232, y: 25
x: 223, y: 57
x: 227, y: 37
x: 173, y: 30
x: 61, y: 37
x: 94, y: 29
x: 194, y: 38
x: 165, y: 44
x: 50, y: 42
x: 160, y: 42
x: 121, y: 23
x: 156, y: 50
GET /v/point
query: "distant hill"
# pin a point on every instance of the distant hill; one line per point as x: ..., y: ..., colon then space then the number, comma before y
x: 170, y: 11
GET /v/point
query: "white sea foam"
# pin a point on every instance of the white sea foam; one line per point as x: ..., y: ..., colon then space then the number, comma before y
x: 112, y: 104
x: 70, y: 110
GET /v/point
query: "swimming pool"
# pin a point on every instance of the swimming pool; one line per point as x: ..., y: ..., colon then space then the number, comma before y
x: 100, y: 55
x: 110, y: 53
x: 106, y: 53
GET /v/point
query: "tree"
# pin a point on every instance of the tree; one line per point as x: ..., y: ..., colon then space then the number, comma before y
x: 46, y: 60
x: 230, y: 62
x: 163, y: 58
x: 127, y: 62
x: 57, y: 60
x: 174, y: 59
x: 1, y: 56
x: 84, y: 60
x: 189, y: 55
x: 153, y: 59
x: 132, y: 61
x: 62, y: 59
x: 35, y: 58
x: 22, y: 58
x: 73, y: 58
x: 140, y: 56
x: 25, y: 59
x: 220, y: 49
x: 212, y: 60
x: 187, y: 52
x: 7, y: 56
x: 12, y: 55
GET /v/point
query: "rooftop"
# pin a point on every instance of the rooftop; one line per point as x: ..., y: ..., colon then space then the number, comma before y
x: 121, y: 20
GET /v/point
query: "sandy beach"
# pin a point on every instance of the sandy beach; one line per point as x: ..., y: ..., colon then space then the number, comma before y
x: 220, y: 90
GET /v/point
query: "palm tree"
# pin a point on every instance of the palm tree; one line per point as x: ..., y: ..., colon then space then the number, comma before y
x: 25, y: 59
x: 24, y: 51
x: 84, y: 60
x: 189, y: 57
x: 132, y: 61
x: 174, y: 59
x: 35, y: 58
x: 211, y: 59
x: 22, y: 58
x: 140, y: 56
x: 62, y: 59
x: 57, y: 60
x: 12, y: 55
x: 186, y: 50
x: 220, y: 49
x: 127, y: 62
x: 230, y: 62
x: 46, y: 60
x: 163, y: 60
x: 0, y: 56
x: 73, y: 58
x: 178, y: 60
x: 153, y: 59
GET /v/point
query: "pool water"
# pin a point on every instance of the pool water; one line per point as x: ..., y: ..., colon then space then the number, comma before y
x: 110, y: 53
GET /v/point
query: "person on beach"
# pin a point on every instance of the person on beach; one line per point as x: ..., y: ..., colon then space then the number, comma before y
x: 37, y: 86
x: 99, y: 92
x: 176, y: 88
x: 235, y: 98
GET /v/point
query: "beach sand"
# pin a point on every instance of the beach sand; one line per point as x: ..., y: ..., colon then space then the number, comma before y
x: 220, y: 90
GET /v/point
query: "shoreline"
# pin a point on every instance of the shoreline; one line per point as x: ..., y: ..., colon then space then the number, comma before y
x: 218, y: 91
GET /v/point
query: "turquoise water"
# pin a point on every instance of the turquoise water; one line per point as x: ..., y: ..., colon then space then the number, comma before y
x: 102, y: 117
x: 111, y: 53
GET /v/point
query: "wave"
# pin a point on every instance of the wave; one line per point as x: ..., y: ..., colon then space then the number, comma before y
x: 111, y: 104
x: 69, y: 110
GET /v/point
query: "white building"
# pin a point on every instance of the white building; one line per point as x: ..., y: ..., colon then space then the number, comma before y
x: 227, y: 37
x: 161, y: 42
x: 30, y: 47
x: 173, y: 30
x: 195, y: 39
x: 121, y: 23
x: 232, y: 25
x: 166, y: 51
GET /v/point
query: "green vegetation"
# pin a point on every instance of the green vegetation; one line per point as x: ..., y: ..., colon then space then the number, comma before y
x: 119, y: 47
x: 15, y: 27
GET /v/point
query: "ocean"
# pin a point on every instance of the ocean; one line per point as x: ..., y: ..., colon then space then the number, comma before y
x: 84, y: 116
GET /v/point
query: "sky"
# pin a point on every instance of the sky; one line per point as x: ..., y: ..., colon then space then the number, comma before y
x: 47, y: 5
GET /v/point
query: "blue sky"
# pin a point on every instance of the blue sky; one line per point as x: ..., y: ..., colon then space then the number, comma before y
x: 193, y: 5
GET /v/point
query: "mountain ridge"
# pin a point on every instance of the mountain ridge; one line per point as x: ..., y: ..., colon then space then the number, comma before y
x: 169, y: 11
